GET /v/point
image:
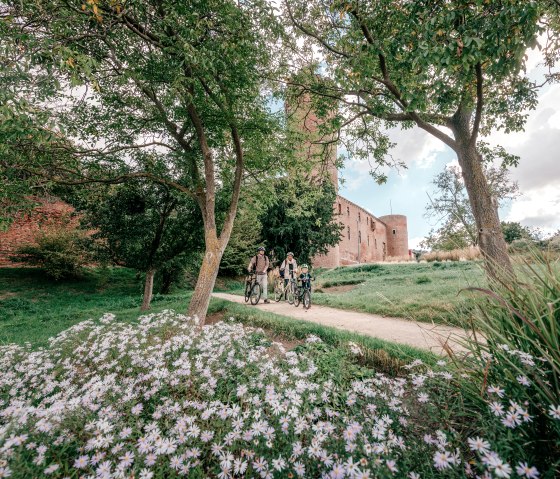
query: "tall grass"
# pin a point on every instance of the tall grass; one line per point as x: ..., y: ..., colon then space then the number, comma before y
x: 519, y: 320
x: 460, y: 254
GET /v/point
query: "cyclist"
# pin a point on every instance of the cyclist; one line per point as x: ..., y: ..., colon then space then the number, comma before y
x: 289, y: 264
x: 259, y: 263
x: 305, y: 277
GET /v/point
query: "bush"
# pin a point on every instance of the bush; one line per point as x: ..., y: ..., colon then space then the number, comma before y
x: 515, y: 373
x: 60, y: 252
x: 422, y: 280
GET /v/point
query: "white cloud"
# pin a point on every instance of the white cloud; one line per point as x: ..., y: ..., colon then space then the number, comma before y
x: 539, y: 207
x: 414, y: 243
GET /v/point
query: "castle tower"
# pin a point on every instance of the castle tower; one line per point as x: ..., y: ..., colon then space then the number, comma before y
x: 397, y: 235
x: 316, y: 145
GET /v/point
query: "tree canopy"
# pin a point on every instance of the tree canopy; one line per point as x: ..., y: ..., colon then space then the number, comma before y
x: 453, y: 69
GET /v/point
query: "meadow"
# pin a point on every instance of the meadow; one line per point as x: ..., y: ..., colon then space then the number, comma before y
x: 114, y: 393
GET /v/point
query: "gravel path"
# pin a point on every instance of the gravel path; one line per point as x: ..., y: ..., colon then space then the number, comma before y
x: 398, y: 330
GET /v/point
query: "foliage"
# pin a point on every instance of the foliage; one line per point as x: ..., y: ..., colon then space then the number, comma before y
x: 143, y: 225
x: 450, y: 205
x: 171, y: 93
x: 128, y: 400
x: 515, y: 231
x: 59, y: 251
x: 458, y: 254
x: 301, y: 219
x: 519, y: 361
x: 454, y: 69
x: 245, y: 237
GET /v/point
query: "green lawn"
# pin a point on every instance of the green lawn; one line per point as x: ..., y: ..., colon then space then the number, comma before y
x: 34, y: 308
x: 420, y: 291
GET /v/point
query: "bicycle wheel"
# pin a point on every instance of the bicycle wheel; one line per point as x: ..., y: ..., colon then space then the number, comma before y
x: 278, y: 290
x: 255, y: 293
x: 306, y: 299
x: 297, y: 297
x: 291, y: 295
x: 247, y: 291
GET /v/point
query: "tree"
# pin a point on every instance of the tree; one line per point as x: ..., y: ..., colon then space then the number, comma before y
x: 166, y: 91
x: 450, y: 205
x: 301, y: 219
x: 144, y: 226
x: 453, y: 69
x: 515, y: 231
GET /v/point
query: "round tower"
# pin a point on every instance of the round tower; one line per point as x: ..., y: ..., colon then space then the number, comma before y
x: 397, y: 235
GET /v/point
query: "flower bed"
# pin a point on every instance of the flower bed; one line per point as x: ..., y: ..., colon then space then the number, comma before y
x: 165, y: 398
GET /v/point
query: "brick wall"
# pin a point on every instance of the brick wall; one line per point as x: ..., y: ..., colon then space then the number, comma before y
x: 49, y: 212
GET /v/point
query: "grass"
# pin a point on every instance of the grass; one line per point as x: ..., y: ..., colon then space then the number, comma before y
x: 34, y: 308
x: 420, y: 291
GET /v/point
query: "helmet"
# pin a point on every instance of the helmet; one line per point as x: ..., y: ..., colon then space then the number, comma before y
x: 304, y: 265
x: 260, y: 248
x: 290, y: 254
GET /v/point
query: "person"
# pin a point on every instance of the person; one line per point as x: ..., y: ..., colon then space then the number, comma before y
x: 259, y: 264
x: 289, y: 264
x: 305, y: 277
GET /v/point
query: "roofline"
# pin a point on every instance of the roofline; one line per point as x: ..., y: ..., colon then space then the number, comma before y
x: 361, y: 208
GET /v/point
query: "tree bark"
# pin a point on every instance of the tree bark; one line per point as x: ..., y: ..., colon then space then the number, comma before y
x: 206, y: 280
x: 148, y: 289
x: 489, y: 231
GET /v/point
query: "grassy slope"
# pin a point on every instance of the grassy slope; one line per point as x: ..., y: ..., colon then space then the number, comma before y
x: 32, y: 309
x: 420, y: 291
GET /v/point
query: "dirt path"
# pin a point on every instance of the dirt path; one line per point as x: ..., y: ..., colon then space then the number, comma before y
x: 398, y: 330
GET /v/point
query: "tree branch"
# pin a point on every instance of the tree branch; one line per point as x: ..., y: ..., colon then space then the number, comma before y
x: 479, y: 103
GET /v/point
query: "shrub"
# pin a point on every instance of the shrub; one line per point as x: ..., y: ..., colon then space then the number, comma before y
x: 422, y: 280
x: 60, y: 252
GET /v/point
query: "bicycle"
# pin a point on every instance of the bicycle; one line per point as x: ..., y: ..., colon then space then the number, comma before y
x: 281, y: 289
x: 303, y: 296
x: 252, y: 289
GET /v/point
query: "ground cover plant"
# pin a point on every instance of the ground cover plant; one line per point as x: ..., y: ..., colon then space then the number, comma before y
x: 162, y: 397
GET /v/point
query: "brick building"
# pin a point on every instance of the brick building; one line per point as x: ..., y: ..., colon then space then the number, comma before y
x: 49, y: 212
x: 365, y: 237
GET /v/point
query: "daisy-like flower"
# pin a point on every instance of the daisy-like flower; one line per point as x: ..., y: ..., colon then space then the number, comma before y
x: 81, y: 462
x: 413, y: 475
x: 146, y: 474
x: 442, y: 460
x: 523, y: 470
x: 239, y: 466
x: 299, y: 468
x: 554, y: 412
x: 497, y: 409
x: 137, y: 409
x: 391, y: 465
x: 523, y: 380
x: 479, y: 445
x: 52, y: 468
x: 279, y: 464
x: 423, y: 397
x: 496, y: 390
x: 5, y: 471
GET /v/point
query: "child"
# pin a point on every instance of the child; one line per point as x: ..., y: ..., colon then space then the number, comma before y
x: 305, y: 277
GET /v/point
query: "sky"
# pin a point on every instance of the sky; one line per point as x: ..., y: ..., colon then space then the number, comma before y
x: 406, y: 191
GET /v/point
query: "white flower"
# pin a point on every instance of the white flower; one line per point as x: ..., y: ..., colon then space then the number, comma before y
x: 52, y: 468
x: 423, y: 397
x: 5, y: 471
x: 523, y: 380
x: 554, y: 412
x: 496, y: 390
x: 523, y: 470
x: 146, y: 474
x: 479, y: 445
x: 501, y: 469
x: 442, y: 460
x: 81, y: 462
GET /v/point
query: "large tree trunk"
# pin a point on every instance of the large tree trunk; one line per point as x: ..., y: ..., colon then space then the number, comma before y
x: 205, y: 283
x: 148, y: 289
x: 485, y: 211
